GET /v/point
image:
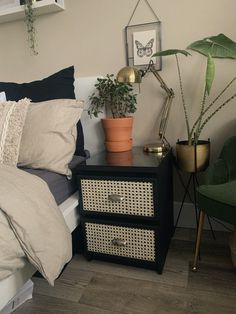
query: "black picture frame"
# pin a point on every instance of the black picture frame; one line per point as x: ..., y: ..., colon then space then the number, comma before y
x: 139, y: 52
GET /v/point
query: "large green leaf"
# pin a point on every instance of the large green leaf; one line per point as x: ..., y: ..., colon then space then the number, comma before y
x: 219, y: 46
x: 210, y: 73
x: 170, y: 52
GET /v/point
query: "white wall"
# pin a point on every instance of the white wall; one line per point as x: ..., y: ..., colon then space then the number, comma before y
x: 90, y: 35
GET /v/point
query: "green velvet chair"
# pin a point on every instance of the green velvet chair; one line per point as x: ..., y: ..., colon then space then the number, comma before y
x: 217, y: 198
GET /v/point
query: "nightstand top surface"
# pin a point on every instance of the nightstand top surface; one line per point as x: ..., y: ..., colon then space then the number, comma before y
x: 130, y: 159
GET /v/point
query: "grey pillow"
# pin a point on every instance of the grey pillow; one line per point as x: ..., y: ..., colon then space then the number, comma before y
x: 49, y: 135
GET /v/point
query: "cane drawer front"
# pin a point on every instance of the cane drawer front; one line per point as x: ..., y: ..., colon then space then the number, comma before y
x: 119, y: 196
x: 130, y: 242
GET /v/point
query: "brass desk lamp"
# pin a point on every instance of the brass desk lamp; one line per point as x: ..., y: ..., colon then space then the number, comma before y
x: 133, y: 75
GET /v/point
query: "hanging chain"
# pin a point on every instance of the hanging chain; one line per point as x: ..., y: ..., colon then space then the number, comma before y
x: 151, y: 9
x: 133, y: 12
x: 135, y: 8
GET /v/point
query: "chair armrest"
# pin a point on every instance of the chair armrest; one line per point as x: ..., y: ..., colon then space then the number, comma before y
x: 217, y: 173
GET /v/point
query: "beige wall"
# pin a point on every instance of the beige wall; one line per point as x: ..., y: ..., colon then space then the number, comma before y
x: 89, y: 34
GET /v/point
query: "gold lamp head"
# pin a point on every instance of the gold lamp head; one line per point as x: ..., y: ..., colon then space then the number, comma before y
x: 129, y: 75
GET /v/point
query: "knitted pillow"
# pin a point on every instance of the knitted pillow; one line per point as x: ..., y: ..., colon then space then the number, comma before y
x: 12, y: 119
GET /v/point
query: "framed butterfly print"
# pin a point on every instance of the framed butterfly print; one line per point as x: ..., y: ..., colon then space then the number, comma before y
x: 142, y: 41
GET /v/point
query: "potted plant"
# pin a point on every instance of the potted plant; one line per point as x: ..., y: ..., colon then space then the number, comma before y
x: 193, y: 154
x: 30, y: 23
x: 118, y: 101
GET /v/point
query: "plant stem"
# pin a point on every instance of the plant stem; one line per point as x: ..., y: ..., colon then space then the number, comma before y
x: 197, y: 132
x: 213, y: 113
x: 182, y: 96
x: 213, y: 102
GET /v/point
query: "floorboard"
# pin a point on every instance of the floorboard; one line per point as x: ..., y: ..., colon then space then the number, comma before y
x: 99, y: 287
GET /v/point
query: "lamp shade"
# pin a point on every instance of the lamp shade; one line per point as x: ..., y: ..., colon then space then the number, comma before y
x: 129, y: 75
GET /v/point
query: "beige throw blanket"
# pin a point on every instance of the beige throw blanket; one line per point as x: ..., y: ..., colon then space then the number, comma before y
x: 31, y: 225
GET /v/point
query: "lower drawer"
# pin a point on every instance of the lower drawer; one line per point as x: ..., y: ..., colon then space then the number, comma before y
x: 131, y: 242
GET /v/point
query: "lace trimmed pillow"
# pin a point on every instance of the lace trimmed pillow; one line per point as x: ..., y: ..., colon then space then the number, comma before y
x: 12, y: 119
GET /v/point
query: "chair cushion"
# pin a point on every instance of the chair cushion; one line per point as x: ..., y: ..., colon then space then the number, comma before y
x: 228, y: 154
x: 232, y: 245
x: 217, y: 173
x: 219, y: 201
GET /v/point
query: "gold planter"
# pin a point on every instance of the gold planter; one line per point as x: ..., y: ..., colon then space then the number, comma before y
x: 193, y: 158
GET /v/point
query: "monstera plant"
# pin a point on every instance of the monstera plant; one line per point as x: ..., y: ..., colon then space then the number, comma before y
x: 219, y: 46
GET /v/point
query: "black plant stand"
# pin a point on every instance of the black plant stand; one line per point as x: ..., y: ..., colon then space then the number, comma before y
x: 192, y: 178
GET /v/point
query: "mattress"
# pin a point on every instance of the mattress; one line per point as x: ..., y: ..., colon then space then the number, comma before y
x: 60, y: 186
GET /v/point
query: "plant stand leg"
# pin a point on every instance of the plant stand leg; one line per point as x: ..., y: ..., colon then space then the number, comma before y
x: 195, y: 201
x: 182, y: 204
x: 210, y: 224
x: 195, y: 184
x: 198, y: 241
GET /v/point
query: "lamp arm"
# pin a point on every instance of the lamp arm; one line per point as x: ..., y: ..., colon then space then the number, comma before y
x: 163, y: 85
x: 167, y: 103
x: 165, y: 117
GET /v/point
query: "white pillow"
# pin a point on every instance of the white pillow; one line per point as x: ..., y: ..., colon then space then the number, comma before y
x: 3, y: 96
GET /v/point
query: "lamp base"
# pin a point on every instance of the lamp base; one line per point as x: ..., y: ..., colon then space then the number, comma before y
x: 159, y: 148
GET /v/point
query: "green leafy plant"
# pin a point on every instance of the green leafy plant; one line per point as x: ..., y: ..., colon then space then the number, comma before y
x: 115, y: 98
x: 219, y: 46
x: 30, y: 24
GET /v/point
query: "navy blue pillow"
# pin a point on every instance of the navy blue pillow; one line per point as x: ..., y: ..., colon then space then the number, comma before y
x: 57, y: 86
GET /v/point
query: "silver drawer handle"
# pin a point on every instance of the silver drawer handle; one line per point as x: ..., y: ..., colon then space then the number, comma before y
x: 115, y: 198
x: 119, y: 242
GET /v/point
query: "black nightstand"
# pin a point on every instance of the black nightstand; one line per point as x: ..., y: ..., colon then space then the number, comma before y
x: 126, y: 207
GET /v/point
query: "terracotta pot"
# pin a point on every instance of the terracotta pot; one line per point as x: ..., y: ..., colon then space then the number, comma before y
x: 193, y: 158
x: 118, y: 134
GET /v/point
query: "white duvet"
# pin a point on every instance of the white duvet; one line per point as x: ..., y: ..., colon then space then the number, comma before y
x: 31, y: 226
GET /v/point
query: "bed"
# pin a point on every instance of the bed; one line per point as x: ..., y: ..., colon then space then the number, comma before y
x: 66, y: 196
x: 15, y: 289
x: 11, y: 288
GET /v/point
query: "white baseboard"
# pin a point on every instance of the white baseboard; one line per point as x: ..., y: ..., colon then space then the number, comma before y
x: 188, y: 218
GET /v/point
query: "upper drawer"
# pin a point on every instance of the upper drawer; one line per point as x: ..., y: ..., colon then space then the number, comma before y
x: 119, y: 196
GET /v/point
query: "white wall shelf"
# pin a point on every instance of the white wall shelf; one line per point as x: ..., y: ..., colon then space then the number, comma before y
x: 41, y: 7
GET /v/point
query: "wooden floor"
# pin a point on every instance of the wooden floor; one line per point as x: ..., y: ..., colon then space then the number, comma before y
x: 98, y: 287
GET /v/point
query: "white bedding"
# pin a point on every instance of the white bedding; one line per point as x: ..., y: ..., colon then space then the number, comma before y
x: 32, y: 226
x: 11, y: 285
